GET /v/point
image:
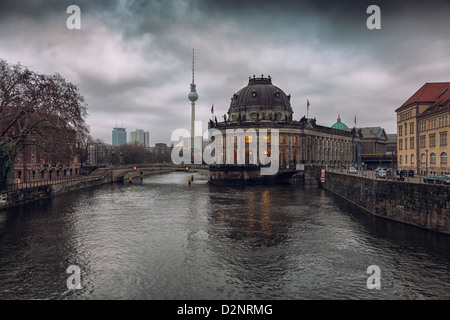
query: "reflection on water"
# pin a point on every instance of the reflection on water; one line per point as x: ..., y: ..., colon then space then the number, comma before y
x: 165, y: 239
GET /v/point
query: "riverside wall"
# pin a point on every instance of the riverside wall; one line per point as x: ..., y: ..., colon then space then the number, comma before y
x: 25, y: 195
x: 421, y: 205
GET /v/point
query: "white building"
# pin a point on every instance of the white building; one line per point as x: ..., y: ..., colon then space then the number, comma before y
x: 140, y: 137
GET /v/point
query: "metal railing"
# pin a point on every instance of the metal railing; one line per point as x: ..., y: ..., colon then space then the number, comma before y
x: 13, y: 184
x: 372, y: 174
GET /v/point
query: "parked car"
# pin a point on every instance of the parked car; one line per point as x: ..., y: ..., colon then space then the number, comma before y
x: 389, y: 174
x: 381, y: 173
x: 430, y: 178
x: 406, y: 173
x: 444, y: 179
x: 352, y: 170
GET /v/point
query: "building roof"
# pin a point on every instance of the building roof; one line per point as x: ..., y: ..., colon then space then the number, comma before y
x: 442, y: 103
x: 339, y: 124
x: 430, y: 92
x: 373, y: 133
x: 260, y: 92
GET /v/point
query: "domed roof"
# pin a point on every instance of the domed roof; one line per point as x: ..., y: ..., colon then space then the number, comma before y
x: 260, y: 92
x: 339, y: 124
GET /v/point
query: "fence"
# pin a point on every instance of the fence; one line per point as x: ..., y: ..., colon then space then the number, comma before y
x: 372, y: 174
x: 15, y: 184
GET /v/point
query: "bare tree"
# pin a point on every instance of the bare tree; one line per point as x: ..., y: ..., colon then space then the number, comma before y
x: 134, y: 153
x: 39, y: 110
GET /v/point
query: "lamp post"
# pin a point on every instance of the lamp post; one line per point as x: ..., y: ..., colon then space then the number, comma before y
x: 426, y: 163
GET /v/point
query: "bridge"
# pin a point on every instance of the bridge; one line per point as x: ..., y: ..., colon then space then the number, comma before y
x: 125, y: 172
x: 223, y: 174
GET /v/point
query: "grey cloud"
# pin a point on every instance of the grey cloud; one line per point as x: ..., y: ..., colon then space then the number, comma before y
x: 132, y: 59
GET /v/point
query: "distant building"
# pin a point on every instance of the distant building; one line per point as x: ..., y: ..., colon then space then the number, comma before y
x: 100, y: 154
x: 391, y: 145
x: 140, y: 137
x: 119, y: 136
x: 423, y: 123
x: 374, y: 146
x: 33, y: 164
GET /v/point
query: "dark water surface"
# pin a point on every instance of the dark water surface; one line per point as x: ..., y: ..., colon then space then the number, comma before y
x: 164, y: 239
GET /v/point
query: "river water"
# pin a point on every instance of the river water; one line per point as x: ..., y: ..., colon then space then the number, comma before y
x: 164, y: 239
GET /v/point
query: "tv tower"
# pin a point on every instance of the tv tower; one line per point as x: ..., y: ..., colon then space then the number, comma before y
x: 193, y: 96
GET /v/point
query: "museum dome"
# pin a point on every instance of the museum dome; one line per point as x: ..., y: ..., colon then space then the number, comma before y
x: 339, y: 124
x: 260, y: 100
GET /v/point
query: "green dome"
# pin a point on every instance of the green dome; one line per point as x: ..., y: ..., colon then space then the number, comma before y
x: 339, y: 124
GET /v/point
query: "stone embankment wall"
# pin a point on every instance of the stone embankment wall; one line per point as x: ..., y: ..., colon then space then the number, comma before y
x: 21, y: 196
x: 422, y: 205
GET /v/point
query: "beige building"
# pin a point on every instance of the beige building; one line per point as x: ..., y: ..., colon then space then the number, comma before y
x: 422, y: 129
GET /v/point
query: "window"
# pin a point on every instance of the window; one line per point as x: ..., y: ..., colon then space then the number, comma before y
x: 432, y: 140
x: 422, y: 141
x: 423, y: 158
x: 412, y: 159
x: 406, y: 143
x: 433, y: 158
x: 411, y: 143
x: 248, y: 139
x: 282, y: 139
x: 400, y: 144
x: 266, y: 139
x: 443, y: 158
x: 401, y: 159
x: 400, y: 131
x: 411, y: 127
x: 443, y: 138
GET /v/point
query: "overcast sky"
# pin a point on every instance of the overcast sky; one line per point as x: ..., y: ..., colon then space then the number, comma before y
x: 132, y: 59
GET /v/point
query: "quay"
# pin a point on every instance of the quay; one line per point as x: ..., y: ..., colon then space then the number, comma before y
x: 411, y: 201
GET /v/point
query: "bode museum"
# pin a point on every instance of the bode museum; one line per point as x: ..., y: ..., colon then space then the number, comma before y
x: 261, y: 107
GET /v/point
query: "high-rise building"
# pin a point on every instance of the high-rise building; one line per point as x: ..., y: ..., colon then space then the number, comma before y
x: 119, y: 136
x: 140, y: 137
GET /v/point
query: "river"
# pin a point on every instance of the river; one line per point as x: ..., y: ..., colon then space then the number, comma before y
x: 165, y: 239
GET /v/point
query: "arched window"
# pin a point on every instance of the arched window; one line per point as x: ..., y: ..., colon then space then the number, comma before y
x: 412, y: 159
x: 423, y: 158
x: 443, y: 158
x: 433, y: 158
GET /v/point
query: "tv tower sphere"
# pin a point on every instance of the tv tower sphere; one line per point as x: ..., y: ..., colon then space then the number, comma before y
x: 193, y: 96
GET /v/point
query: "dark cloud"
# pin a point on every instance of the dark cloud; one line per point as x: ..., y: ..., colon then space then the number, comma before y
x: 132, y: 59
